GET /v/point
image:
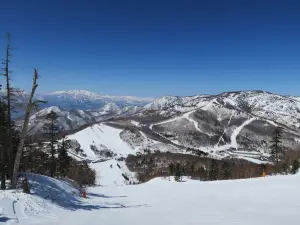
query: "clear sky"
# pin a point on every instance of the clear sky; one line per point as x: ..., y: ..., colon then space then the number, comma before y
x: 155, y: 47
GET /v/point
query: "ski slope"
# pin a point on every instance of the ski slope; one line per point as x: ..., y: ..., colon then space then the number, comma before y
x: 101, y: 135
x: 110, y: 172
x: 236, y: 132
x: 233, y: 136
x: 259, y: 201
x: 187, y: 116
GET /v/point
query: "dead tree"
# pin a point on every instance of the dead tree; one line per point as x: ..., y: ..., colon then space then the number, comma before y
x: 3, y: 143
x: 7, y: 72
x: 30, y: 106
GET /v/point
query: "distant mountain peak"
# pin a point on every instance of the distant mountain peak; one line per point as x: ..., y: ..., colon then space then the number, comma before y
x: 110, y: 107
x: 88, y: 94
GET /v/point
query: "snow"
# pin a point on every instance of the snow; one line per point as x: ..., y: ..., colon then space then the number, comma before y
x: 260, y: 201
x: 110, y: 107
x: 101, y: 135
x: 225, y: 130
x: 236, y: 132
x: 187, y: 116
x: 108, y: 173
x: 135, y: 123
x: 83, y: 94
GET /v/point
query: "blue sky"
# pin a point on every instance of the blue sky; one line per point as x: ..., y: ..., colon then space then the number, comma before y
x: 155, y: 48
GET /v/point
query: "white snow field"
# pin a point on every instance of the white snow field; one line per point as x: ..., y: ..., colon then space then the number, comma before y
x: 110, y: 173
x: 261, y: 201
x: 100, y: 134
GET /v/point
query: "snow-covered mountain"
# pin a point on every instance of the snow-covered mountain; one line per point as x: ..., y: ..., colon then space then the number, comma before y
x: 70, y: 119
x: 216, y: 125
x: 81, y: 99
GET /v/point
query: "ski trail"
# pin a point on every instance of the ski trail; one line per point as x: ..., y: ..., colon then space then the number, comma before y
x: 224, y: 130
x: 187, y: 116
x: 236, y: 132
x: 166, y: 121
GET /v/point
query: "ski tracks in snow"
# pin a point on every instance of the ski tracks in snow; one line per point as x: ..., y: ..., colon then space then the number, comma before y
x: 234, y: 135
x: 236, y: 132
x: 184, y: 116
x: 225, y: 130
x: 187, y: 116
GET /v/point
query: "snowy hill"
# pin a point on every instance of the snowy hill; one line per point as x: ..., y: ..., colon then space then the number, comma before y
x: 70, y: 119
x: 214, y: 124
x: 247, y: 202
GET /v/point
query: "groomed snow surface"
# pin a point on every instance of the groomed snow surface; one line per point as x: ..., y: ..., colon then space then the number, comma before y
x: 260, y: 201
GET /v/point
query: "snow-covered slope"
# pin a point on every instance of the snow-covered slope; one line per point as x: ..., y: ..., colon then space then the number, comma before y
x: 103, y: 138
x: 104, y: 141
x: 110, y: 173
x: 215, y: 124
x: 70, y: 119
x: 261, y: 201
x: 48, y: 197
x: 219, y: 125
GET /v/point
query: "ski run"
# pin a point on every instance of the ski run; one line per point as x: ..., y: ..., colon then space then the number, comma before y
x: 259, y: 201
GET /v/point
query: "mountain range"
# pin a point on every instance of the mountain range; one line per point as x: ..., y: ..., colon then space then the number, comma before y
x: 214, y: 125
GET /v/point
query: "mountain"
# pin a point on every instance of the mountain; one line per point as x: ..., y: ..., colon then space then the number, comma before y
x: 84, y: 100
x: 217, y: 126
x: 71, y: 119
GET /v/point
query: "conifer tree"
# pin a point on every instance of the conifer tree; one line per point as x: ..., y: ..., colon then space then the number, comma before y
x: 276, y: 143
x: 171, y: 169
x: 51, y: 130
x: 64, y: 159
x: 214, y: 170
x: 295, y: 166
x: 178, y: 172
x: 226, y: 171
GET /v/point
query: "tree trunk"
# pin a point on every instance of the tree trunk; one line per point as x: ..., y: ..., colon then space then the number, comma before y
x: 2, y: 168
x: 8, y: 95
x: 52, y: 169
x: 24, y: 132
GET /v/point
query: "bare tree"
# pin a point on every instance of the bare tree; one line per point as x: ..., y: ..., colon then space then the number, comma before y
x: 2, y: 143
x: 30, y: 106
x: 7, y: 73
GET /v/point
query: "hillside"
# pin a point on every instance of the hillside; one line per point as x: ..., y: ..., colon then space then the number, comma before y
x: 248, y: 202
x: 213, y: 125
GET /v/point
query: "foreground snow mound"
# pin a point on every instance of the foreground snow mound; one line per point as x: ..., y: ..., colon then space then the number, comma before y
x: 48, y: 196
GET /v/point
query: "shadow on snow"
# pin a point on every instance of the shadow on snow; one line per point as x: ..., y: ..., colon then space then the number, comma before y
x: 65, y: 195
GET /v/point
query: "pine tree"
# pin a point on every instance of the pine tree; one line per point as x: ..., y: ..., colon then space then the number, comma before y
x: 276, y: 143
x: 295, y: 166
x: 178, y: 172
x: 51, y: 130
x: 64, y: 159
x: 171, y: 169
x: 226, y: 170
x: 214, y: 170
